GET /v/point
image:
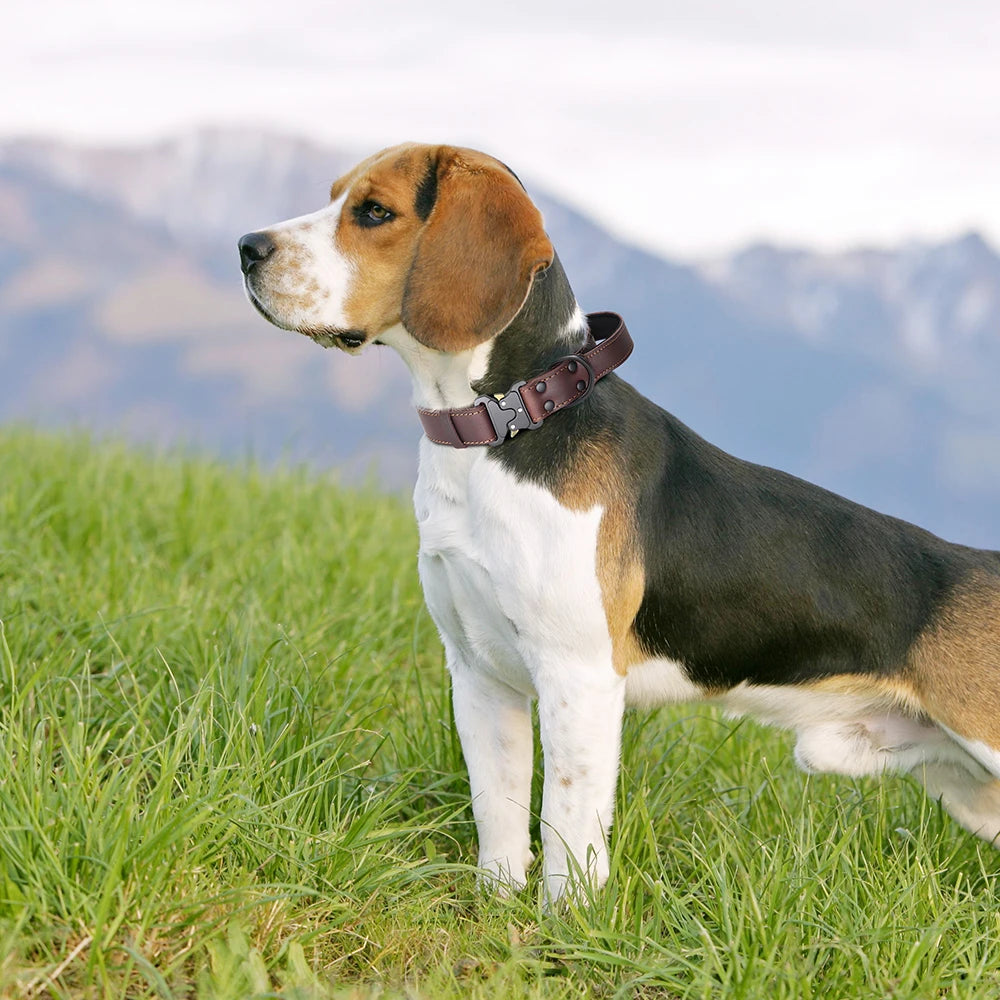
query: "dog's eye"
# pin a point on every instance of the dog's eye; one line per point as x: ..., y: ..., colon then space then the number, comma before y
x: 371, y: 213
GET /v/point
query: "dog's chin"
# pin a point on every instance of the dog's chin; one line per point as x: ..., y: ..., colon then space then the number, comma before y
x: 350, y: 341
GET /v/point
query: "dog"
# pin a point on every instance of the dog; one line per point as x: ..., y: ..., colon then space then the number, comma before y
x: 581, y: 547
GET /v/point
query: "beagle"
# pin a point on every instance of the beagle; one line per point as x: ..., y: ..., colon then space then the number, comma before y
x: 601, y: 554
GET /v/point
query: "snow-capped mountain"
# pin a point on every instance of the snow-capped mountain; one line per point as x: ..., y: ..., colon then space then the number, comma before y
x: 197, y: 185
x: 924, y: 305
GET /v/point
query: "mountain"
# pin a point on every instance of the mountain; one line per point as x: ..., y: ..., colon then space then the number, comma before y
x: 872, y: 372
x: 923, y: 321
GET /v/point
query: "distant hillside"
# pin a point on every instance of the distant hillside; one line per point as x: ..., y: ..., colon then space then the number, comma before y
x: 873, y: 372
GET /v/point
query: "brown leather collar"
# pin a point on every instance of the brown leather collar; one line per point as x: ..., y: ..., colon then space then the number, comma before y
x: 490, y: 420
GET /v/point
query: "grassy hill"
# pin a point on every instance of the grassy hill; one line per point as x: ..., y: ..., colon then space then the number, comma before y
x: 227, y: 770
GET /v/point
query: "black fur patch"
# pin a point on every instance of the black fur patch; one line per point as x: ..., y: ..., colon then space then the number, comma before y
x: 427, y: 192
x: 754, y: 575
x: 528, y: 347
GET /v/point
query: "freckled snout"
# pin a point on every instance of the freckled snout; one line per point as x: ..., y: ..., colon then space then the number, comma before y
x: 254, y: 247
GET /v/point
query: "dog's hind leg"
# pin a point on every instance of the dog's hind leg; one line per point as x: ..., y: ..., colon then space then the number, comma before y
x: 918, y: 747
x: 873, y: 744
x: 969, y: 793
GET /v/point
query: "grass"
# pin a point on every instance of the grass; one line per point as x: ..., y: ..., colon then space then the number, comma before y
x: 227, y: 770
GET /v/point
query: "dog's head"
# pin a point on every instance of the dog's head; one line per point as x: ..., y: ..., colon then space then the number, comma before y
x: 439, y: 239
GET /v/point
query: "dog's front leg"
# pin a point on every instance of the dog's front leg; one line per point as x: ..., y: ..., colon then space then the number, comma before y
x: 580, y: 714
x: 494, y: 725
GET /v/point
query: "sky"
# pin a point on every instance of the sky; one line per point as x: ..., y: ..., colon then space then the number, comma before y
x: 688, y: 126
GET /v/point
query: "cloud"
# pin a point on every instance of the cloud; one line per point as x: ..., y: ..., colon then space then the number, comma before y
x: 684, y: 126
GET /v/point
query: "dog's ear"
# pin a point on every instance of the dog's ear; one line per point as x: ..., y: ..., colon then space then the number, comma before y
x: 479, y: 252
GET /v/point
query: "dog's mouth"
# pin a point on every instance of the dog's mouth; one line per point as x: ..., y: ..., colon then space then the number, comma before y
x: 346, y: 340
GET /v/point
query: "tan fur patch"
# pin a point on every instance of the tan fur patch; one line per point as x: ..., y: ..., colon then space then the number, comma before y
x: 477, y: 257
x: 596, y: 479
x: 383, y: 255
x: 956, y: 663
x: 895, y: 692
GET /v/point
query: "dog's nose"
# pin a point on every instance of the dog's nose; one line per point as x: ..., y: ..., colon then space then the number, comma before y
x: 254, y: 247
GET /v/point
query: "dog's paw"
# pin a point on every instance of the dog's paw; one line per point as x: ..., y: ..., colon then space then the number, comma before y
x: 563, y: 889
x: 501, y: 877
x: 580, y: 883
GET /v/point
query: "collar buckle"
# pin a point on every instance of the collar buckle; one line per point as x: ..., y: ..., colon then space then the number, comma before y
x: 503, y: 415
x: 507, y: 413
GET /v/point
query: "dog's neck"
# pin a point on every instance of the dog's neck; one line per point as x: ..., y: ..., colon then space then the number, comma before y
x: 548, y: 326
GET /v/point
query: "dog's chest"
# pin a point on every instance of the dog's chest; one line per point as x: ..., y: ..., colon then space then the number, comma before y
x: 509, y: 574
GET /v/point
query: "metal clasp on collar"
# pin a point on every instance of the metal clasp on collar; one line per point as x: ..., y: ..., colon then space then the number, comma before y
x: 507, y: 414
